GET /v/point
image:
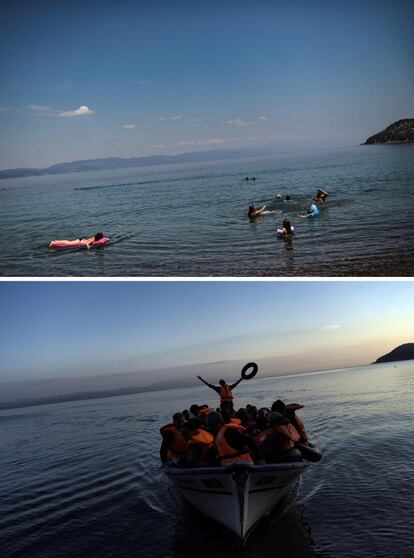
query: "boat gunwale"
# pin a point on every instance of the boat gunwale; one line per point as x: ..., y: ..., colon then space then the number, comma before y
x: 270, y: 467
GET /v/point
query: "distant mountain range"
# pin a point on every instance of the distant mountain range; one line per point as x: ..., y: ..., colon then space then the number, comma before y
x: 109, y: 163
x: 96, y: 394
x: 403, y: 352
x: 401, y: 131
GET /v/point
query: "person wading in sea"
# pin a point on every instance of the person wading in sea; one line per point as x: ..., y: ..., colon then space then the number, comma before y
x: 225, y: 392
x: 254, y: 212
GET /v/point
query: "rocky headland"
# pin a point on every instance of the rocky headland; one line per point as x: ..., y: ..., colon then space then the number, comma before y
x: 401, y: 131
x: 403, y: 352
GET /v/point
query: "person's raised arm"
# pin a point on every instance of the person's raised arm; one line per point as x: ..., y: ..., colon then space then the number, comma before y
x: 236, y: 383
x: 207, y: 384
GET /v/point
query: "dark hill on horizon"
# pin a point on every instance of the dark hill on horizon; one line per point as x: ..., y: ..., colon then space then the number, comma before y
x: 402, y: 352
x: 401, y: 131
x: 96, y: 394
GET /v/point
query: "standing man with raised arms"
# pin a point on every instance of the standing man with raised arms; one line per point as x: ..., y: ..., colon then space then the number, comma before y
x: 225, y: 391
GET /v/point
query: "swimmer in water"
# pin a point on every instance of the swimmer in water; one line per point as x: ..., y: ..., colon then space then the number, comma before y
x: 254, y: 213
x: 82, y: 241
x: 286, y: 198
x: 287, y: 228
x: 313, y: 209
x: 321, y: 196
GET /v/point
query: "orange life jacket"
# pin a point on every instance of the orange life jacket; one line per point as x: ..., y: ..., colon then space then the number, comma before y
x: 286, y: 435
x: 226, y: 453
x: 179, y: 445
x: 300, y: 427
x: 235, y: 420
x: 203, y: 439
x: 225, y: 394
x: 267, y: 434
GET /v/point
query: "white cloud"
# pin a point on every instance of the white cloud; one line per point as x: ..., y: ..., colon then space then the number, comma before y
x: 333, y: 326
x: 238, y: 122
x: 157, y: 146
x: 81, y: 111
x: 5, y: 108
x: 263, y: 118
x: 211, y: 141
x: 42, y: 109
x: 129, y: 126
x: 177, y: 117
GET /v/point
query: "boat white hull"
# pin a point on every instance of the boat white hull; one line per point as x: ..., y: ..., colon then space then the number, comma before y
x: 239, y: 495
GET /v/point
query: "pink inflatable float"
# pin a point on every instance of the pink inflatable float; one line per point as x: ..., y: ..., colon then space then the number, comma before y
x: 74, y: 243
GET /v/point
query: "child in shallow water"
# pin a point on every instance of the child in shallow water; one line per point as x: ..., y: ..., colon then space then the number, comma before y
x: 254, y: 213
x: 287, y: 228
x: 313, y: 209
x: 321, y: 196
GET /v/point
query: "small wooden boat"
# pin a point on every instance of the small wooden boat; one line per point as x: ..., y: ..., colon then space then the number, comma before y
x: 238, y: 495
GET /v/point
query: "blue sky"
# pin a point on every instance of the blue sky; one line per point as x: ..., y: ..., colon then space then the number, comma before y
x: 156, y: 331
x: 85, y: 79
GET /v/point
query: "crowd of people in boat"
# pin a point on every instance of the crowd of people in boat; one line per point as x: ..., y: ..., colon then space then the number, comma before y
x: 204, y: 436
x: 311, y: 211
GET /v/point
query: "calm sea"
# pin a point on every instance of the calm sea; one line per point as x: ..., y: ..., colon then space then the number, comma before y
x: 83, y: 479
x: 191, y: 220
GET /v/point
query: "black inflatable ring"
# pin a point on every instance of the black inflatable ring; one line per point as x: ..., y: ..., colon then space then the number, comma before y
x: 252, y: 373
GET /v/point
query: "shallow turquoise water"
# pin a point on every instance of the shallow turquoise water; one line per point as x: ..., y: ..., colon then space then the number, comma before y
x: 191, y: 220
x: 84, y: 479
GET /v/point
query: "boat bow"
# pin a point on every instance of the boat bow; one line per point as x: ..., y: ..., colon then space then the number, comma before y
x: 238, y: 495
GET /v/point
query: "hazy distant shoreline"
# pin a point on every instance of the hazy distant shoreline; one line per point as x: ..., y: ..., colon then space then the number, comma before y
x: 104, y: 394
x: 164, y: 386
x: 113, y: 163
